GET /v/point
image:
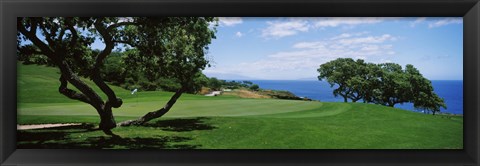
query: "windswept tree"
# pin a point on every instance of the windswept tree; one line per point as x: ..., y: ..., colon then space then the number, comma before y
x: 364, y: 81
x: 423, y: 96
x: 349, y: 75
x: 394, y: 87
x: 385, y: 84
x: 371, y: 82
x: 174, y: 45
x: 408, y: 85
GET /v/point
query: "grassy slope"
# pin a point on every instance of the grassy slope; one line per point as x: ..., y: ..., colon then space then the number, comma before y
x: 227, y: 122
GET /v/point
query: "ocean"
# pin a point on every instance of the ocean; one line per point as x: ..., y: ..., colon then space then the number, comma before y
x: 450, y: 90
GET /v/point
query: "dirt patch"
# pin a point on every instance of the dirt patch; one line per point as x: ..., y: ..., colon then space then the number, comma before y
x: 204, y: 91
x: 246, y: 94
x: 41, y: 126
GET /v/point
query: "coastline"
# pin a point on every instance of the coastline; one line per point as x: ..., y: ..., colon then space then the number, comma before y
x: 450, y: 90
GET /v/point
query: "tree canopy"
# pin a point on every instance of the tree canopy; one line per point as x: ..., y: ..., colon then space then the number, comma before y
x: 386, y: 84
x: 161, y: 47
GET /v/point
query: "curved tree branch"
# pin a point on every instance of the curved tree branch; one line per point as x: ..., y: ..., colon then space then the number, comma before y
x: 44, y: 48
x: 48, y: 35
x: 113, y: 100
x: 155, y: 114
x: 107, y: 122
x: 113, y: 26
x: 71, y: 93
x: 72, y: 30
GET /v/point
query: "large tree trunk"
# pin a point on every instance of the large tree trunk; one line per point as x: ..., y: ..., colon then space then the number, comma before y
x: 155, y: 114
x: 107, y: 121
x: 88, y: 95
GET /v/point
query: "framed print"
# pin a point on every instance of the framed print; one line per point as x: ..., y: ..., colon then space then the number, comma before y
x: 250, y: 83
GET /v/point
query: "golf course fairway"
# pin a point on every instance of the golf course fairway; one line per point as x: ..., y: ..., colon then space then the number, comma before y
x: 224, y: 122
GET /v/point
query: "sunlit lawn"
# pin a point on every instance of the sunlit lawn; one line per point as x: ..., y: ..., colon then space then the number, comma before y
x: 225, y: 122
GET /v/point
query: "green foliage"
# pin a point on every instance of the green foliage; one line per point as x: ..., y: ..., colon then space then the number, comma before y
x: 69, y: 38
x: 247, y: 82
x: 254, y: 87
x: 166, y: 50
x: 214, y: 83
x: 172, y: 47
x: 237, y: 84
x: 281, y: 94
x: 386, y: 84
x: 199, y: 81
x: 423, y: 93
x: 114, y: 69
x: 393, y: 87
x: 217, y: 84
x: 163, y: 52
x: 350, y: 76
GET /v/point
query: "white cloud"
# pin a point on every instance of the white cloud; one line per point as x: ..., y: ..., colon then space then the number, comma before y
x: 229, y: 21
x: 369, y: 48
x: 293, y: 26
x: 279, y: 29
x: 305, y: 57
x: 417, y: 21
x: 385, y: 61
x: 338, y: 21
x: 239, y: 34
x: 343, y: 35
x: 446, y: 21
x: 309, y: 45
x: 347, y: 35
x: 369, y: 39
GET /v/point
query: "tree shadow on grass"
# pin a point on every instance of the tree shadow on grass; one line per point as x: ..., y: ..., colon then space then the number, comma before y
x: 54, y: 133
x: 60, y: 137
x: 182, y: 125
x: 159, y: 142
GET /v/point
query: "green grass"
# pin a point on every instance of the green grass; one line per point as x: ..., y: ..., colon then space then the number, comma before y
x: 226, y: 122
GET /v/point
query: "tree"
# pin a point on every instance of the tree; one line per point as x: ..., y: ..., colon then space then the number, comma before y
x: 386, y: 84
x: 394, y: 87
x: 371, y: 82
x: 363, y: 81
x: 66, y: 48
x: 114, y: 71
x: 423, y: 95
x: 343, y: 72
x: 254, y: 87
x: 169, y: 47
x: 214, y: 83
x: 248, y: 83
x: 172, y: 47
x: 200, y: 80
x: 409, y: 85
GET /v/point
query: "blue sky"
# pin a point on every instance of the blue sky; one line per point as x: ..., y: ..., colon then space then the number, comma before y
x: 293, y: 48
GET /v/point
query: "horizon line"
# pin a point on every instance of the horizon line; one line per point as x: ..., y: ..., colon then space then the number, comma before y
x: 259, y: 79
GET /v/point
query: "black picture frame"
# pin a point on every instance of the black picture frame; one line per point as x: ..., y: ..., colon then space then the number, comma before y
x: 468, y: 9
